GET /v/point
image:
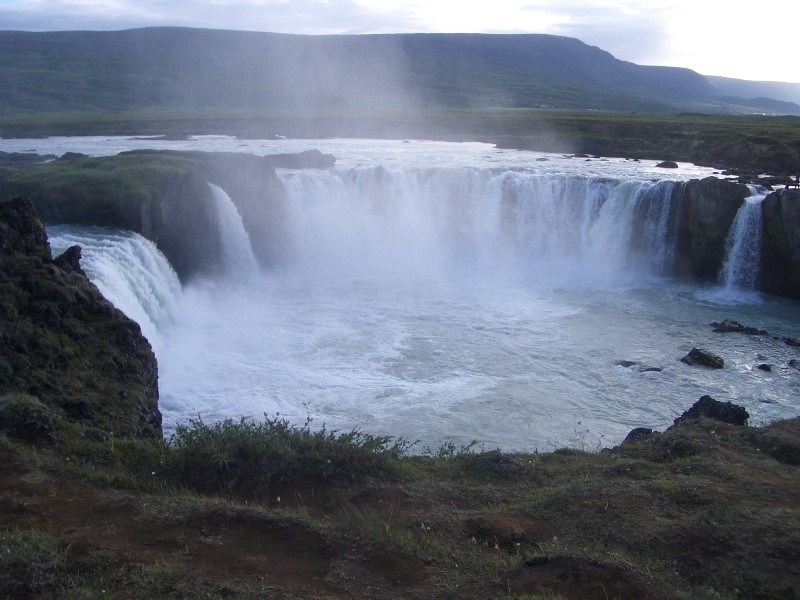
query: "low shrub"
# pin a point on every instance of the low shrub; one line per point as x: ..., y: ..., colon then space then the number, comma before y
x: 26, y: 417
x: 249, y: 456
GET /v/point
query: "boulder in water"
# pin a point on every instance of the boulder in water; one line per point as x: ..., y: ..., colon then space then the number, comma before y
x: 731, y: 326
x: 667, y: 164
x: 627, y: 364
x: 707, y: 407
x: 698, y: 356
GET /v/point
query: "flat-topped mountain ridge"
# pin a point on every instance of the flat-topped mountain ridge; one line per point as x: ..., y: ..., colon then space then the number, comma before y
x: 183, y: 68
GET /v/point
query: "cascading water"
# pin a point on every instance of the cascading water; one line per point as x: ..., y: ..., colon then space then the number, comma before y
x: 129, y: 271
x: 238, y: 260
x: 743, y: 246
x: 418, y: 224
x: 453, y: 303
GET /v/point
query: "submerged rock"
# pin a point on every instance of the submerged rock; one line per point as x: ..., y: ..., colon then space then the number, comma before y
x: 627, y: 364
x: 698, y: 356
x: 731, y: 326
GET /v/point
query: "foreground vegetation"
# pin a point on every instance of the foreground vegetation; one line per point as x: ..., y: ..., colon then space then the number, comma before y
x: 253, y: 510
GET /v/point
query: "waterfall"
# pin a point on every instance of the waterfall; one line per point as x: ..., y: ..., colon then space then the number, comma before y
x: 238, y: 260
x: 430, y: 223
x: 127, y: 269
x: 740, y: 268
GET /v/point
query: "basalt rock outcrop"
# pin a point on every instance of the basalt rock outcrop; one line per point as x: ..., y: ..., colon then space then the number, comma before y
x: 707, y: 208
x: 780, y: 253
x: 66, y: 354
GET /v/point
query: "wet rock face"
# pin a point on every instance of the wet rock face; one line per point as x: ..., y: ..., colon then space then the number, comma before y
x: 780, y: 254
x: 708, y: 208
x: 62, y: 343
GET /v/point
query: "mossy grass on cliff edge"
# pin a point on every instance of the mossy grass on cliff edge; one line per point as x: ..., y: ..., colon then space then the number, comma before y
x: 112, y: 191
x: 703, y: 510
x: 66, y: 354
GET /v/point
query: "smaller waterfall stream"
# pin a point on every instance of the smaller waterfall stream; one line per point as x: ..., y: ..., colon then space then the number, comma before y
x: 128, y: 269
x: 743, y: 246
x: 238, y: 260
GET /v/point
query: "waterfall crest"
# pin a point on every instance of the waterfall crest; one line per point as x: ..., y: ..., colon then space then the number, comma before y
x: 411, y: 223
x: 128, y: 269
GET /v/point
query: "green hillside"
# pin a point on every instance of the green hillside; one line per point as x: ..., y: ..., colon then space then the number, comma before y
x: 178, y: 68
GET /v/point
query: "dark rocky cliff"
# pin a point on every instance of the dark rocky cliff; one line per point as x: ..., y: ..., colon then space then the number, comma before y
x: 707, y: 208
x: 63, y: 346
x: 780, y: 256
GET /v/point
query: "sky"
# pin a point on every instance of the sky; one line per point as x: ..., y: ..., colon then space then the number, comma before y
x: 743, y: 40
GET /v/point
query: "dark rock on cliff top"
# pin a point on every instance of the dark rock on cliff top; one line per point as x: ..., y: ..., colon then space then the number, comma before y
x: 637, y: 435
x: 707, y: 407
x: 70, y: 260
x: 698, y: 356
x: 21, y: 233
x: 65, y: 351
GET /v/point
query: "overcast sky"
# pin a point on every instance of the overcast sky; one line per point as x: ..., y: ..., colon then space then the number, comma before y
x: 745, y: 40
